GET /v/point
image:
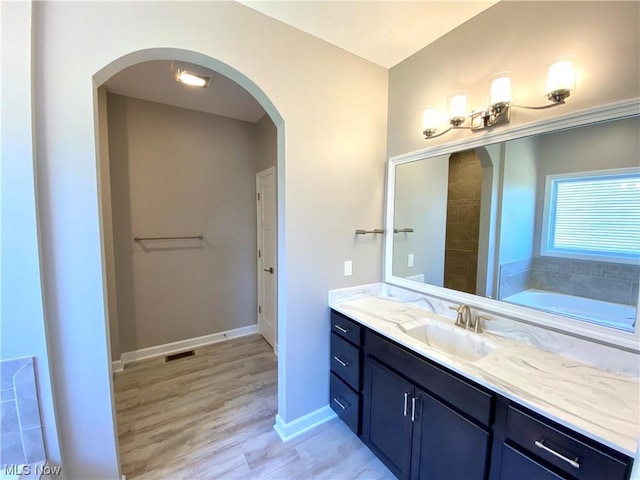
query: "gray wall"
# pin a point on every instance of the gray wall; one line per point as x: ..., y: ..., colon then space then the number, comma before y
x: 518, y: 205
x: 603, y: 36
x: 22, y: 321
x: 267, y: 146
x: 177, y: 172
x: 421, y: 204
x: 330, y: 108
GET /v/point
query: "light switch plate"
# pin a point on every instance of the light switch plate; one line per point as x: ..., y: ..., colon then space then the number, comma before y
x: 348, y: 268
x: 410, y: 260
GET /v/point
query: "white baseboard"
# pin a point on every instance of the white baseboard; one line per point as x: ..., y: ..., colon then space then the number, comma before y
x: 174, y: 347
x: 288, y: 431
x: 117, y: 366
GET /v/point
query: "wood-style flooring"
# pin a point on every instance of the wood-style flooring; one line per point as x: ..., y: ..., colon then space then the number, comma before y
x: 212, y: 416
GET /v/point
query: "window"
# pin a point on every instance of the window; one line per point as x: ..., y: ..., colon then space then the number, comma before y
x: 593, y: 215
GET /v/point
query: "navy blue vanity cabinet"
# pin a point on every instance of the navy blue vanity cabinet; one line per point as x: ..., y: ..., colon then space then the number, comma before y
x: 542, y: 448
x: 447, y: 444
x: 387, y: 428
x: 413, y: 416
x: 346, y: 375
x: 517, y: 465
x: 424, y: 421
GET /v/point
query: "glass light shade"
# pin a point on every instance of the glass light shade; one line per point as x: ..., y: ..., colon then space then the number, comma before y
x: 500, y: 89
x: 458, y: 105
x: 560, y: 76
x: 430, y: 119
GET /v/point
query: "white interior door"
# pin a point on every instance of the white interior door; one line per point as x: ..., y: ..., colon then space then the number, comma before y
x: 267, y: 256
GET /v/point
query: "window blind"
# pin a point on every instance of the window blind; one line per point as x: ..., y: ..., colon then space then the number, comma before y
x: 596, y: 215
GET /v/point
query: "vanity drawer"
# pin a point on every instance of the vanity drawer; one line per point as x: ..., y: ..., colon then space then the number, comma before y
x: 566, y: 451
x: 345, y: 402
x: 347, y: 329
x: 455, y: 391
x: 345, y: 361
x: 518, y: 466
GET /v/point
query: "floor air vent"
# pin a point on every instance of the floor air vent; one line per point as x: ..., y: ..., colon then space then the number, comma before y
x: 178, y: 356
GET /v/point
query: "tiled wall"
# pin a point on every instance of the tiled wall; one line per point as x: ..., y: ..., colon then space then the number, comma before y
x: 463, y: 221
x: 515, y: 277
x: 610, y: 282
x: 20, y: 429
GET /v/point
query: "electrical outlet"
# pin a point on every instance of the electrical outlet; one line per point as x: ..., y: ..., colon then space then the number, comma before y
x: 348, y: 268
x: 410, y: 260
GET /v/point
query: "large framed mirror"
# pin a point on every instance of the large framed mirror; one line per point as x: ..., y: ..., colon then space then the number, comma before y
x: 541, y: 225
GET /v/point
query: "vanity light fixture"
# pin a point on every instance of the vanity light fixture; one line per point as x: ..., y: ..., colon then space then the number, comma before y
x: 192, y: 79
x: 560, y: 82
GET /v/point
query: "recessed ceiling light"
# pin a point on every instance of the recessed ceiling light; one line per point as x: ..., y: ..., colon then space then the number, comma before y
x: 189, y: 78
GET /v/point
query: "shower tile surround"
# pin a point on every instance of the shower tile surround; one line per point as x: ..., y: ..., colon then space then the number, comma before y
x: 463, y: 221
x: 554, y: 378
x: 609, y: 282
x: 21, y: 440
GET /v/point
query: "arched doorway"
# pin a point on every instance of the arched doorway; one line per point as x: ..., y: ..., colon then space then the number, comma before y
x: 103, y: 161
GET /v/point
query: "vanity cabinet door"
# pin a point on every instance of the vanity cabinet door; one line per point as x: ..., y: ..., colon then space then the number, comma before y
x: 446, y: 444
x: 387, y: 426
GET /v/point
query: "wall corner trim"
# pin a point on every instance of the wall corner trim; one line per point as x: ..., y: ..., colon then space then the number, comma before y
x: 174, y: 347
x: 289, y: 431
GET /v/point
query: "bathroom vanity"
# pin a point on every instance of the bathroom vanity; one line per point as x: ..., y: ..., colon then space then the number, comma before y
x: 434, y: 400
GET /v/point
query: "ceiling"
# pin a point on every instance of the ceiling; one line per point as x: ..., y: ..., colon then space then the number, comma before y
x: 382, y: 32
x: 155, y: 81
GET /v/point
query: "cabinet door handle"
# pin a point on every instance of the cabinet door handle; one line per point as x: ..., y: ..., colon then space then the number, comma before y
x: 406, y: 403
x: 340, y: 404
x: 340, y: 361
x: 413, y: 409
x: 540, y: 444
x: 342, y: 329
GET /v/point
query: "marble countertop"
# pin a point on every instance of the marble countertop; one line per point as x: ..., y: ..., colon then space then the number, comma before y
x: 602, y: 405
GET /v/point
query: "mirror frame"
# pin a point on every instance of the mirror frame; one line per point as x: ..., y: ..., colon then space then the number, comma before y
x: 592, y: 332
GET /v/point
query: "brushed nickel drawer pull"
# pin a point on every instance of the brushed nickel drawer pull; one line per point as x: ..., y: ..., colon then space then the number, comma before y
x: 406, y: 403
x: 340, y: 361
x: 342, y: 329
x: 340, y: 404
x: 573, y: 463
x: 413, y: 409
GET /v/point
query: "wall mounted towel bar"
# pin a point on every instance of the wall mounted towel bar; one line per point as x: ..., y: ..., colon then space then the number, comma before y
x: 374, y: 231
x: 195, y: 237
x: 403, y: 230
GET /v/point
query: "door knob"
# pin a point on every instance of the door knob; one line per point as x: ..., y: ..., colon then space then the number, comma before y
x: 270, y: 270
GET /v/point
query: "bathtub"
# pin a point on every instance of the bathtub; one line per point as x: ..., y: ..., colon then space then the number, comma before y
x: 608, y: 314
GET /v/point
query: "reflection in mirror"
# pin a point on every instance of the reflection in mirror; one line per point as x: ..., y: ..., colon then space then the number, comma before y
x: 592, y: 216
x: 551, y: 222
x: 446, y: 203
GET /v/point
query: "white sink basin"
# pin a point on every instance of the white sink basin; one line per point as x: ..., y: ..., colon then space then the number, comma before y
x: 449, y: 339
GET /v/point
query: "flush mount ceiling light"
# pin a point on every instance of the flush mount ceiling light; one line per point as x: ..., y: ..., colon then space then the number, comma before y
x: 188, y: 78
x: 560, y: 82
